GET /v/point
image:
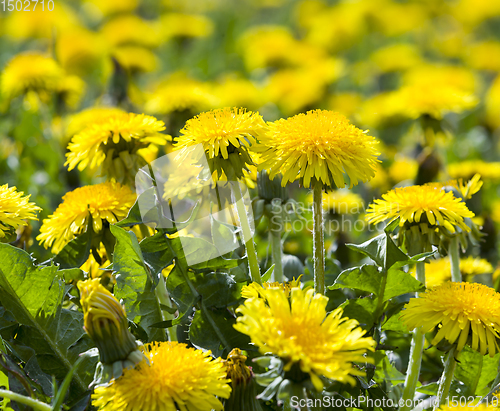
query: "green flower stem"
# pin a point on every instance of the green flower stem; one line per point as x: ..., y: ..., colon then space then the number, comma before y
x: 275, y: 233
x: 446, y: 378
x: 162, y: 296
x: 456, y: 276
x: 253, y: 262
x: 416, y: 349
x: 31, y: 402
x: 318, y: 239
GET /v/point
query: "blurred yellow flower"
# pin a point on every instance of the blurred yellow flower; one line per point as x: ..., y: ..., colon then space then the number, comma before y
x: 103, y: 202
x: 135, y: 58
x: 178, y: 92
x: 492, y: 103
x: 341, y: 202
x: 71, y: 90
x: 130, y: 30
x: 235, y: 91
x: 294, y: 89
x: 403, y: 168
x: 265, y: 46
x: 42, y: 22
x: 338, y: 27
x: 171, y: 374
x: 109, y: 7
x: 396, y: 57
x: 439, y: 271
x: 31, y: 72
x: 112, y: 144
x: 467, y: 169
x: 320, y: 144
x: 468, y: 313
x: 473, y: 12
x: 347, y: 103
x: 484, y: 56
x: 15, y: 209
x: 394, y: 18
x: 301, y: 332
x: 457, y: 77
x: 185, y: 25
x: 434, y: 100
x: 80, y: 51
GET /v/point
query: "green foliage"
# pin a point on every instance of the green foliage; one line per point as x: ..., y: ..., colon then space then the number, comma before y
x: 134, y: 284
x: 34, y: 296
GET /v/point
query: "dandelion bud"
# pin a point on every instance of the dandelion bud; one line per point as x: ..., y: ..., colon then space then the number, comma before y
x: 244, y: 395
x: 105, y: 321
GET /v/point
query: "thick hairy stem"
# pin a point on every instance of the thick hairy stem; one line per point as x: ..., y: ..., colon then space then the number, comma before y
x: 446, y: 378
x: 318, y: 239
x: 21, y: 399
x: 456, y: 276
x: 275, y: 232
x: 417, y: 346
x: 253, y: 262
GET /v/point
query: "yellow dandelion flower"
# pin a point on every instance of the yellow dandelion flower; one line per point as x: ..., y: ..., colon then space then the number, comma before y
x: 421, y: 205
x: 319, y: 144
x: 104, y: 202
x: 106, y: 322
x: 300, y: 332
x: 15, y: 209
x: 112, y: 144
x: 179, y: 92
x: 95, y: 268
x: 185, y: 25
x: 178, y: 377
x: 76, y: 123
x: 226, y: 135
x: 254, y: 290
x: 466, y: 190
x: 466, y: 313
x: 30, y: 72
x: 467, y: 169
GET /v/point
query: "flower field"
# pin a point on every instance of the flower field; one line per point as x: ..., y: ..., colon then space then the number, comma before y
x: 249, y: 205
